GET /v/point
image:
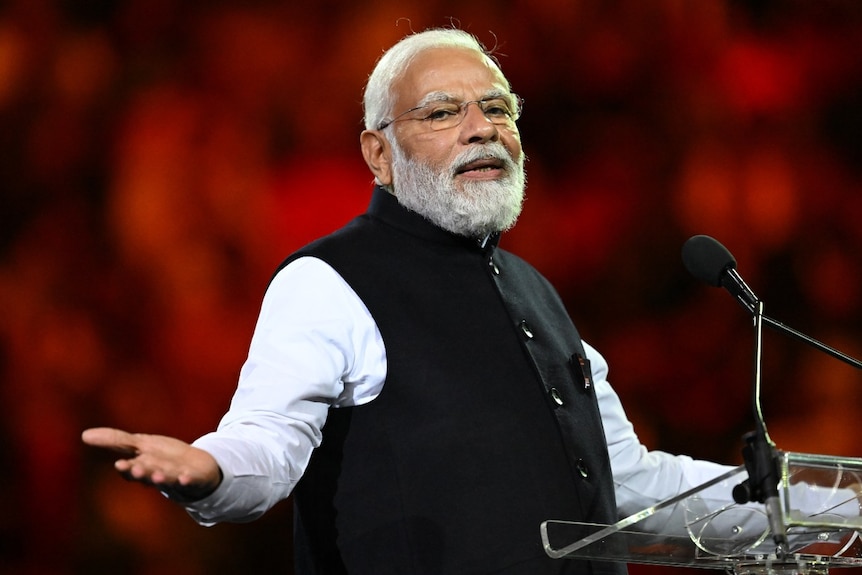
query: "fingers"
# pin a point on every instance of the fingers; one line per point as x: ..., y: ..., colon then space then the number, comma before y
x: 134, y: 470
x: 138, y: 464
x: 128, y: 444
x: 190, y: 478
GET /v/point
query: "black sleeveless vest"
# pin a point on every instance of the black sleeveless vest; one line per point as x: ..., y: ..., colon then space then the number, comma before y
x: 487, y: 423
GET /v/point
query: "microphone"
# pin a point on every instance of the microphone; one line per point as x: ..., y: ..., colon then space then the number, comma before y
x: 709, y: 261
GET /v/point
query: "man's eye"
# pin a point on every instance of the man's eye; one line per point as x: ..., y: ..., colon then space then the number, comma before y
x: 441, y: 113
x: 499, y: 109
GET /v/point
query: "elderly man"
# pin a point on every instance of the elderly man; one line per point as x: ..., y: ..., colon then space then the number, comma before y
x: 421, y: 392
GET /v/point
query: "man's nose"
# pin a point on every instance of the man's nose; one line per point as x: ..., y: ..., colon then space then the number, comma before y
x: 476, y: 127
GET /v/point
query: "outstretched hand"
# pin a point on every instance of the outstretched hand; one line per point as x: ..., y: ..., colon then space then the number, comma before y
x: 183, y: 472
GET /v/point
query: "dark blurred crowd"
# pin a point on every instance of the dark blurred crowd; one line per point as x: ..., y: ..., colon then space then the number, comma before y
x: 158, y: 158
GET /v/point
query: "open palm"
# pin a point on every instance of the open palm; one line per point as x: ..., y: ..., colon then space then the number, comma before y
x: 183, y: 472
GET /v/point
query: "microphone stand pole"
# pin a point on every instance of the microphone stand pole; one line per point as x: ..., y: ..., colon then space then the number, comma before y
x: 760, y: 454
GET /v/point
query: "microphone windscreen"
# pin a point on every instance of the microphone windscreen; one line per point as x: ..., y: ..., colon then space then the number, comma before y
x: 706, y: 259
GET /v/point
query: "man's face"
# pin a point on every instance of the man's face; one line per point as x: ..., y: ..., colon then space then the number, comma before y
x: 467, y: 178
x: 465, y: 76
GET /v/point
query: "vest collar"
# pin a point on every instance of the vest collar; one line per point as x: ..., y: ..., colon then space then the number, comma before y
x: 385, y: 207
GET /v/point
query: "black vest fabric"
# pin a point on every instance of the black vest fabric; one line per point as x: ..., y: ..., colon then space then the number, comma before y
x: 485, y: 425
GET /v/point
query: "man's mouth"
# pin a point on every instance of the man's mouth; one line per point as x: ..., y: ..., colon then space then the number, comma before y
x: 483, y: 165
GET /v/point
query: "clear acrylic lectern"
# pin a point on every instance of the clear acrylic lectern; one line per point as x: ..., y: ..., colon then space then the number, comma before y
x: 820, y: 514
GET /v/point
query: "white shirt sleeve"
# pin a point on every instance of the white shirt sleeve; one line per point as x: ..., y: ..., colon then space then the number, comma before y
x: 315, y: 345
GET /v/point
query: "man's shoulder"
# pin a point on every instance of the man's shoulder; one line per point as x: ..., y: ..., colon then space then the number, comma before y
x: 361, y: 239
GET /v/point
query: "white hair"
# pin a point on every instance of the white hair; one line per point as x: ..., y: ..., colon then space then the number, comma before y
x: 378, y: 100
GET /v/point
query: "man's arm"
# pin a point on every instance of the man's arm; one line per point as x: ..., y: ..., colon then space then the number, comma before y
x: 315, y: 346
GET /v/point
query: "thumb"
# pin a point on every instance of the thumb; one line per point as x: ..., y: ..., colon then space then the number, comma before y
x: 111, y: 438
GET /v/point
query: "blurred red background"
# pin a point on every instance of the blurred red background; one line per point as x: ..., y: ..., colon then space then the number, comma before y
x: 159, y: 158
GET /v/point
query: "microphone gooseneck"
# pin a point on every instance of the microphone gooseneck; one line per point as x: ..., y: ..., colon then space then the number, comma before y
x: 706, y: 259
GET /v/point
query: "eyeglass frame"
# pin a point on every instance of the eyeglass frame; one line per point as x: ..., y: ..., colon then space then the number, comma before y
x: 462, y: 109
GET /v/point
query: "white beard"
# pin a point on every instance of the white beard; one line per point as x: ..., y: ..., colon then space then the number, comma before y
x: 473, y: 208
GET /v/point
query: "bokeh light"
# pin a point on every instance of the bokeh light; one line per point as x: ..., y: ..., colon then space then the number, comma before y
x: 159, y: 158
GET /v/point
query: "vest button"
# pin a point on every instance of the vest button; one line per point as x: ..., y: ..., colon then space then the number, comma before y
x: 582, y: 468
x: 526, y: 329
x: 555, y: 396
x: 494, y: 269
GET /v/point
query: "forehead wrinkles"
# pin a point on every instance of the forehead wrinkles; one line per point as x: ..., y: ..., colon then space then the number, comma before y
x: 448, y: 70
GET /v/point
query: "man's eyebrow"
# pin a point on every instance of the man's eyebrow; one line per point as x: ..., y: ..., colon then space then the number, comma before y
x: 440, y: 96
x: 437, y: 96
x: 496, y: 93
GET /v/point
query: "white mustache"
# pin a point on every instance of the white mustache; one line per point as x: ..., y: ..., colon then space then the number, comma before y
x: 490, y: 151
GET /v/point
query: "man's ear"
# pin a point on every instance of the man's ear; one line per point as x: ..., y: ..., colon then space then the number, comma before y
x: 378, y: 155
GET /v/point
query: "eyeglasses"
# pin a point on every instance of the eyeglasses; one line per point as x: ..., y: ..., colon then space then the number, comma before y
x: 442, y: 115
